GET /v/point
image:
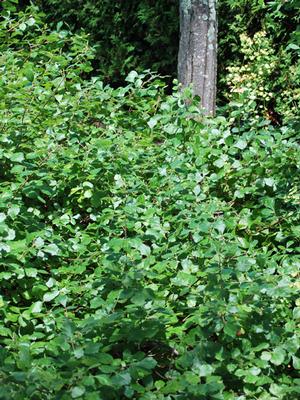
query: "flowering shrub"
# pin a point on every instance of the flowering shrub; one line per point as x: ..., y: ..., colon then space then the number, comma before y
x: 265, y: 78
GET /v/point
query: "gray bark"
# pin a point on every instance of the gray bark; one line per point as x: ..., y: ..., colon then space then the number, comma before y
x: 197, y: 57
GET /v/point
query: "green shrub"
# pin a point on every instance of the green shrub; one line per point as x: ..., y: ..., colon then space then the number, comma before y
x: 147, y: 253
x: 266, y: 79
x: 259, y: 45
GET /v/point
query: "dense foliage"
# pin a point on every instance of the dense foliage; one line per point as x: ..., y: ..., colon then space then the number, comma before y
x: 143, y: 34
x: 136, y: 34
x: 261, y: 46
x: 146, y: 253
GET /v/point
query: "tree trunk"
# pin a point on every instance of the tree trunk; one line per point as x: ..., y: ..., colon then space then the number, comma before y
x: 197, y: 57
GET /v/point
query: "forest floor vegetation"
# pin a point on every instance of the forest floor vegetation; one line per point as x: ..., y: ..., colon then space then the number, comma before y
x: 146, y: 253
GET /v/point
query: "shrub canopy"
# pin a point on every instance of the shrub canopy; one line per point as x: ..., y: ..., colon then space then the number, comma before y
x: 147, y: 253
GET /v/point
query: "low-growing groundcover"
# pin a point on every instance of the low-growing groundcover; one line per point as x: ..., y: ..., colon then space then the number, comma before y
x: 145, y: 254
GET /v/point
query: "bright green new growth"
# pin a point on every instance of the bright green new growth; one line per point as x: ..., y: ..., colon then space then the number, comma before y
x: 144, y: 254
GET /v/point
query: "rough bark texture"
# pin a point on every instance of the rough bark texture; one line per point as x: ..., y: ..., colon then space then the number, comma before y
x: 197, y: 57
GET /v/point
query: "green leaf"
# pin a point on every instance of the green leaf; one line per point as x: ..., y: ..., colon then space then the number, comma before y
x: 39, y: 242
x: 50, y: 296
x: 183, y: 279
x: 122, y: 379
x: 254, y: 371
x: 147, y: 363
x: 245, y: 263
x: 87, y: 194
x: 25, y: 358
x: 13, y: 211
x: 105, y: 358
x: 36, y: 307
x: 29, y: 74
x: 278, y: 356
x: 131, y: 77
x: 296, y: 362
x: 11, y: 234
x: 277, y: 390
x: 52, y: 249
x: 293, y: 46
x: 17, y: 157
x: 205, y: 370
x: 220, y: 226
x: 50, y: 282
x: 296, y: 313
x: 22, y: 26
x: 269, y: 182
x: 77, y: 391
x: 266, y: 356
x: 231, y: 329
x: 104, y: 380
x: 144, y: 250
x: 197, y: 190
x: 30, y: 21
x: 78, y: 353
x: 153, y: 121
x: 221, y: 161
x: 241, y: 144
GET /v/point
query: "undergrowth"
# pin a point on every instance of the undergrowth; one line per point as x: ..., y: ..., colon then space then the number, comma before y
x: 146, y: 253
